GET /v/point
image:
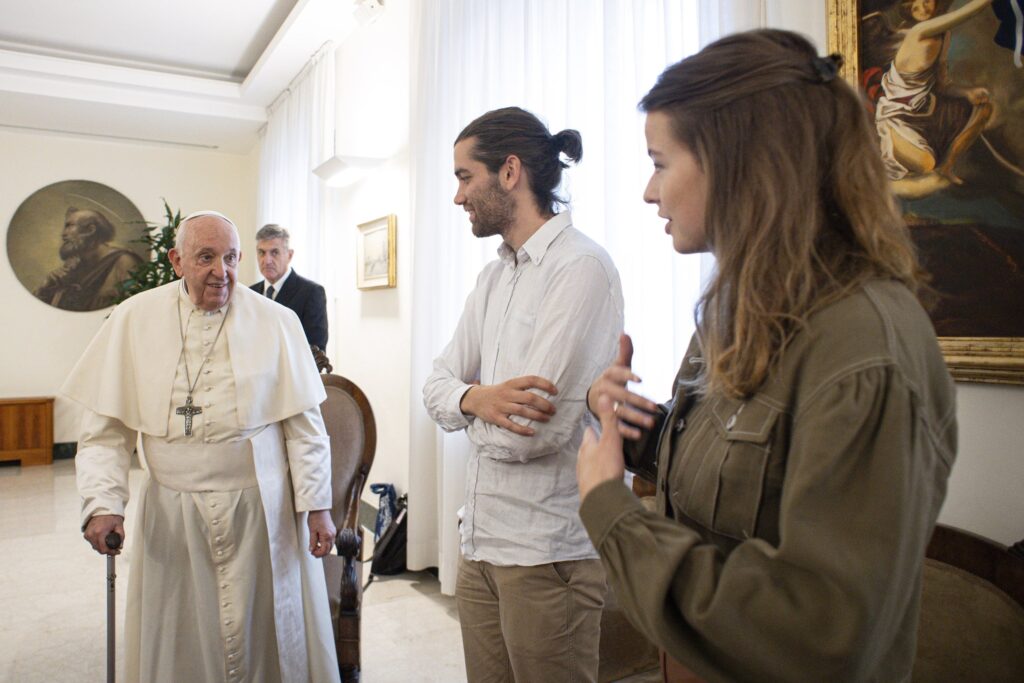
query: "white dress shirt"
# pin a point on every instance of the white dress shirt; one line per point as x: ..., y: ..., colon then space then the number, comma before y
x: 552, y: 309
x: 276, y: 285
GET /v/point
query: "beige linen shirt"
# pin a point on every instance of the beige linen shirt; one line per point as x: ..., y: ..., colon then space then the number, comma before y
x: 552, y: 309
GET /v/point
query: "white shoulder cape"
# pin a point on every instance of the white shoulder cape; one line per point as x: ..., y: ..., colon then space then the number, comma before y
x: 127, y: 371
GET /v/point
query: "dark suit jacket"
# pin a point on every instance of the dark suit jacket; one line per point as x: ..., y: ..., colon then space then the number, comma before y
x: 308, y: 300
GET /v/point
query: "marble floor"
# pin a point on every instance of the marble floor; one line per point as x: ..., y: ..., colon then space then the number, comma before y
x: 53, y: 600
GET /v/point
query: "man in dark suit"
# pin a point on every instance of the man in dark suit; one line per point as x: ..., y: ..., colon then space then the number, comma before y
x: 286, y: 287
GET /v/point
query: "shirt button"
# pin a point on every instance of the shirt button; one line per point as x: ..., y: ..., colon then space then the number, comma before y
x: 216, y: 522
x: 206, y: 372
x: 209, y: 388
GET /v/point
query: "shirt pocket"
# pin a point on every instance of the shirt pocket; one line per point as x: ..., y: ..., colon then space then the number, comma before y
x: 719, y: 481
x: 514, y: 338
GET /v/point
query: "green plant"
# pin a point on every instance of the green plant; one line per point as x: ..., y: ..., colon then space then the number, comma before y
x: 158, y: 271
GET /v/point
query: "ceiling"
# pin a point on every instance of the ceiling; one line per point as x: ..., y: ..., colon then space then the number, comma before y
x: 197, y: 73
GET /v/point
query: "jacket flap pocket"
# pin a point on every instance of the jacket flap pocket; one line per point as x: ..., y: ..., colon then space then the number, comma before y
x: 749, y: 421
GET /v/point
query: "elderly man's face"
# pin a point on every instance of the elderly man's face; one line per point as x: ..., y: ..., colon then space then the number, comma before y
x: 208, y: 261
x: 75, y: 237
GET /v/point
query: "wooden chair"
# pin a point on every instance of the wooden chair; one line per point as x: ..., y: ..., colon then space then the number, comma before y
x: 353, y: 431
x: 972, y: 610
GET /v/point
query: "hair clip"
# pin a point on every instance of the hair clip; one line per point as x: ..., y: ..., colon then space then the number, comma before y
x: 827, y: 67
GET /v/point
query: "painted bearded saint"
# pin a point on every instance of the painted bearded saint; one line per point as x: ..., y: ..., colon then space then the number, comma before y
x: 87, y: 280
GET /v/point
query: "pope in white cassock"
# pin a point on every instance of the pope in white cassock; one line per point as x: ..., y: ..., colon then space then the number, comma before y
x: 218, y: 384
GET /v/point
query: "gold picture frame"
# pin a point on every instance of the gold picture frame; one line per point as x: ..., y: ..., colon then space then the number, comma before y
x: 989, y: 359
x: 376, y: 253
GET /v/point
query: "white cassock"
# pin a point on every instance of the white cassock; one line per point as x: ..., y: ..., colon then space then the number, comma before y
x: 222, y: 586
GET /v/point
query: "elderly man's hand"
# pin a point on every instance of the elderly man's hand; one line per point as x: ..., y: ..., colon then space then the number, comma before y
x: 321, y: 532
x: 97, y: 529
x: 601, y: 460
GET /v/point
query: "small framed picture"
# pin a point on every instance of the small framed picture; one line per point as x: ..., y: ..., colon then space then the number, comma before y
x: 376, y: 262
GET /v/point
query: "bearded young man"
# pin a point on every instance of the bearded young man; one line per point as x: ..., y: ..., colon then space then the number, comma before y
x: 537, y: 329
x: 219, y: 386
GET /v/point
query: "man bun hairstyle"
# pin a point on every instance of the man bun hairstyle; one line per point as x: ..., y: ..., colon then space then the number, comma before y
x: 501, y: 133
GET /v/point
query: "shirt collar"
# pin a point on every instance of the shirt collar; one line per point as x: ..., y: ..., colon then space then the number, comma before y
x: 535, y: 247
x: 280, y: 281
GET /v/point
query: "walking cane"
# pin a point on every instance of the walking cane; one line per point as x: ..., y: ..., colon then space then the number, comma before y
x: 113, y: 540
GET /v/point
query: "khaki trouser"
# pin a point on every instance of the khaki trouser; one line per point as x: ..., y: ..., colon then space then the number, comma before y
x: 531, y: 624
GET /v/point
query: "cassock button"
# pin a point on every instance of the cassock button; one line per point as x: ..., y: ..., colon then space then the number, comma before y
x: 225, y: 604
x: 228, y: 622
x: 216, y: 522
x: 219, y: 553
x: 206, y: 342
x: 219, y: 539
x: 209, y: 388
x: 206, y: 372
x: 224, y: 586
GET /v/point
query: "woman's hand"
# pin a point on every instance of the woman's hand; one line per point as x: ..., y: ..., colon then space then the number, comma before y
x: 630, y: 409
x: 601, y: 460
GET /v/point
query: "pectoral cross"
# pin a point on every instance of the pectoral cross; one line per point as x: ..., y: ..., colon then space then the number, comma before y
x: 188, y: 410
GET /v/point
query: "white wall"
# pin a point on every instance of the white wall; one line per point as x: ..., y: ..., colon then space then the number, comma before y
x: 986, y: 489
x: 370, y: 333
x: 39, y: 343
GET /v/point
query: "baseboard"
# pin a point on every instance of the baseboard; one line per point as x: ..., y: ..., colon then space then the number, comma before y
x: 65, y: 450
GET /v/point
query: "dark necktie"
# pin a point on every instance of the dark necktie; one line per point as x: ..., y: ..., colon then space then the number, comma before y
x: 270, y: 291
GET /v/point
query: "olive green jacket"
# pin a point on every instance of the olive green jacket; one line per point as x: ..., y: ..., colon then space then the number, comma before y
x: 793, y: 524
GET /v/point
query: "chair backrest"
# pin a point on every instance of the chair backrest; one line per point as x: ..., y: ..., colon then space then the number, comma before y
x: 353, y: 431
x: 972, y: 611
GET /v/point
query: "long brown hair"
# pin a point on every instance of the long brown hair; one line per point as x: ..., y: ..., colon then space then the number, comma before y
x: 798, y: 212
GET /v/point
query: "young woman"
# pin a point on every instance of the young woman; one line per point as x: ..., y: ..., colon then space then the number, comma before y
x: 803, y: 459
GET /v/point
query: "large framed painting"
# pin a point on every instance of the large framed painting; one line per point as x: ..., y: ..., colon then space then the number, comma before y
x: 944, y: 83
x: 73, y: 242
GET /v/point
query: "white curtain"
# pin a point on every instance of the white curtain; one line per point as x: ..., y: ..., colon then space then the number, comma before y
x: 576, y: 64
x: 298, y: 137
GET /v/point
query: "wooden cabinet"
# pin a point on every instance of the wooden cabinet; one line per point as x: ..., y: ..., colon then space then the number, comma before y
x: 26, y: 430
